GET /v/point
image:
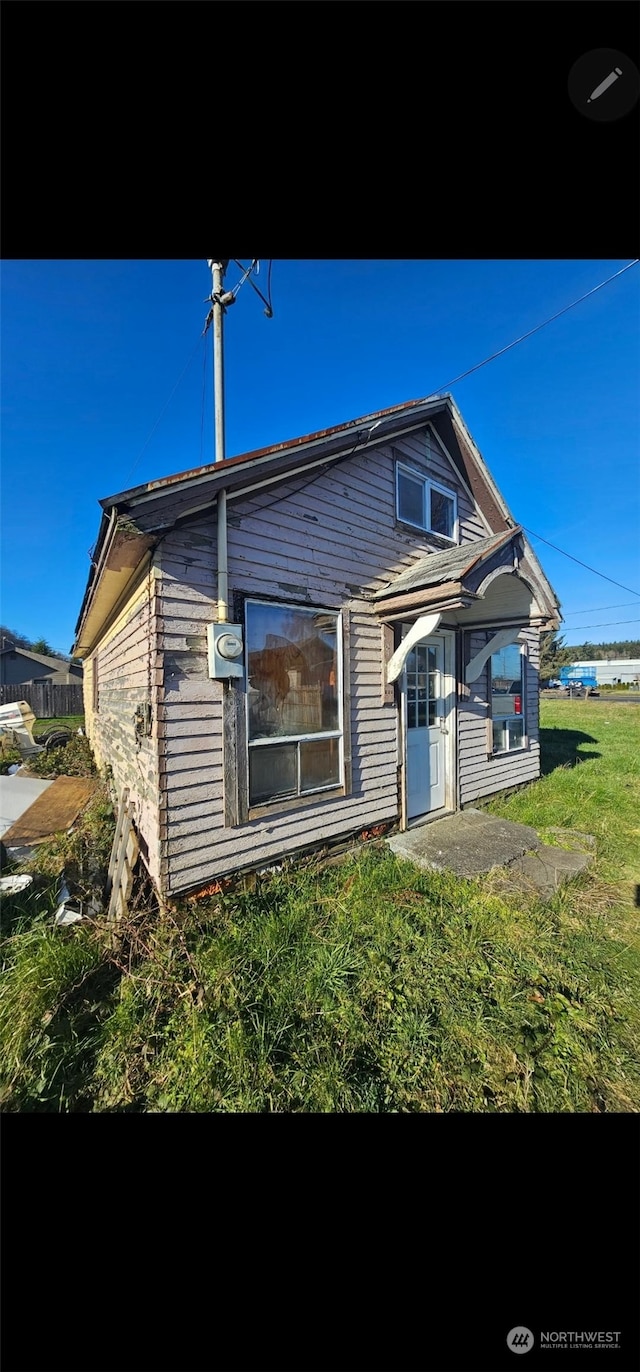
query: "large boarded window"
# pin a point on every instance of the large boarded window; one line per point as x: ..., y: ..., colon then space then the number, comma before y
x: 294, y: 701
x: 507, y: 698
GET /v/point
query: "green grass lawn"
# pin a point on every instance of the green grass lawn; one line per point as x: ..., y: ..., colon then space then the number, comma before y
x: 369, y: 986
x: 72, y: 722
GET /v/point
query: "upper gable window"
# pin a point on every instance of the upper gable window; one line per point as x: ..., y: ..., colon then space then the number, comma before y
x: 426, y: 504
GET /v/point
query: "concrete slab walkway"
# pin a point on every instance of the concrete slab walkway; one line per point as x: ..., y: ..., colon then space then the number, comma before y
x: 472, y: 843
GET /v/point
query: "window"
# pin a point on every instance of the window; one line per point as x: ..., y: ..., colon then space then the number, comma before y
x: 294, y: 724
x: 426, y: 505
x: 507, y: 698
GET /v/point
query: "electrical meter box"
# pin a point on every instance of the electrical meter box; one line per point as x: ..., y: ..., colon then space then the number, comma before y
x: 225, y: 650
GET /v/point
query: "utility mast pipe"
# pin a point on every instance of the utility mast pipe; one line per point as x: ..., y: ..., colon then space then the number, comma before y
x: 217, y: 269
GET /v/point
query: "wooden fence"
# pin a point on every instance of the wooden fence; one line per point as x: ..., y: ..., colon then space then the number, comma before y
x: 48, y: 700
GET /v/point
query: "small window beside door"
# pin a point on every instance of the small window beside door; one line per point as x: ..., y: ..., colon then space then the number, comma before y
x: 506, y: 675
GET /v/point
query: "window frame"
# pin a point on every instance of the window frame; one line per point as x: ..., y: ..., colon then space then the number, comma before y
x: 428, y: 484
x: 507, y: 719
x: 301, y: 798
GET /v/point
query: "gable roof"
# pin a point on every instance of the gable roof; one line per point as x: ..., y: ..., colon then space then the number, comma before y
x: 59, y: 663
x: 133, y: 520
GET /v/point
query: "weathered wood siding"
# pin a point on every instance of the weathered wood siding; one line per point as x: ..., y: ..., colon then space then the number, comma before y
x: 479, y: 774
x: 128, y: 677
x: 331, y: 541
x: 196, y: 846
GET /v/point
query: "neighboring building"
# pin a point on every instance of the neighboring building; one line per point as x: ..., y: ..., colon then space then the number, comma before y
x: 608, y: 671
x: 21, y: 667
x: 381, y: 667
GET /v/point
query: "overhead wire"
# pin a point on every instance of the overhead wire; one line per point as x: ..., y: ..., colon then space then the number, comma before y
x: 266, y: 303
x: 611, y: 624
x: 537, y: 328
x: 580, y: 563
x: 317, y: 471
x: 596, y: 609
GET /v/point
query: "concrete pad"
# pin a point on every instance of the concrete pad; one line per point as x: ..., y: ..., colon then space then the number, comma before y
x: 547, y: 869
x: 17, y: 793
x: 468, y: 843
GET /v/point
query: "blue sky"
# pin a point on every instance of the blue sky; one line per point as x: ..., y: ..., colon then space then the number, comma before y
x: 91, y: 351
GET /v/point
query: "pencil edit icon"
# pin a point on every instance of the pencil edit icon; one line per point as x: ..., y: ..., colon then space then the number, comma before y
x: 595, y: 89
x: 604, y: 85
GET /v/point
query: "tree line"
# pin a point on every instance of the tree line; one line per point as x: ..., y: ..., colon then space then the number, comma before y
x: 555, y: 654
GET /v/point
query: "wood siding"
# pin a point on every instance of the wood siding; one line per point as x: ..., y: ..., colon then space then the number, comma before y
x: 331, y: 541
x: 480, y: 774
x: 128, y: 677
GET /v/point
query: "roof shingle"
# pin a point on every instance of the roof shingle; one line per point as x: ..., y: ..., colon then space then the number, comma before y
x: 451, y: 565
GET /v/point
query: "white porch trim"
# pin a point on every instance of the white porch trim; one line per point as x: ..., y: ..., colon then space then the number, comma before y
x: 423, y: 628
x: 499, y: 640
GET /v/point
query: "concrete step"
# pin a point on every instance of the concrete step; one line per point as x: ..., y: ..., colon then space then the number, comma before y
x: 472, y: 843
x: 546, y: 869
x: 467, y: 843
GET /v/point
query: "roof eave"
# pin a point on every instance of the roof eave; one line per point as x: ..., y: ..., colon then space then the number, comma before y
x: 332, y: 440
x: 121, y: 559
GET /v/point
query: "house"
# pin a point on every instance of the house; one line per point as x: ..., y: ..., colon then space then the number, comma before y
x: 291, y: 646
x: 22, y: 667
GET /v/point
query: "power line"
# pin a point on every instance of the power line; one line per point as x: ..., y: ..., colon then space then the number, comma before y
x: 522, y: 337
x: 581, y: 564
x: 596, y: 609
x: 612, y: 624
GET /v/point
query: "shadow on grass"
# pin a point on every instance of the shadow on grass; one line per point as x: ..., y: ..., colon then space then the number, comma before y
x: 559, y: 748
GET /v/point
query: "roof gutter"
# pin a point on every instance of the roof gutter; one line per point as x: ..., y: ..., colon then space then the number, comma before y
x: 97, y: 570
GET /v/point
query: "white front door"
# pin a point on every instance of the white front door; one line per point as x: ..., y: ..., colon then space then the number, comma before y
x: 426, y: 723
